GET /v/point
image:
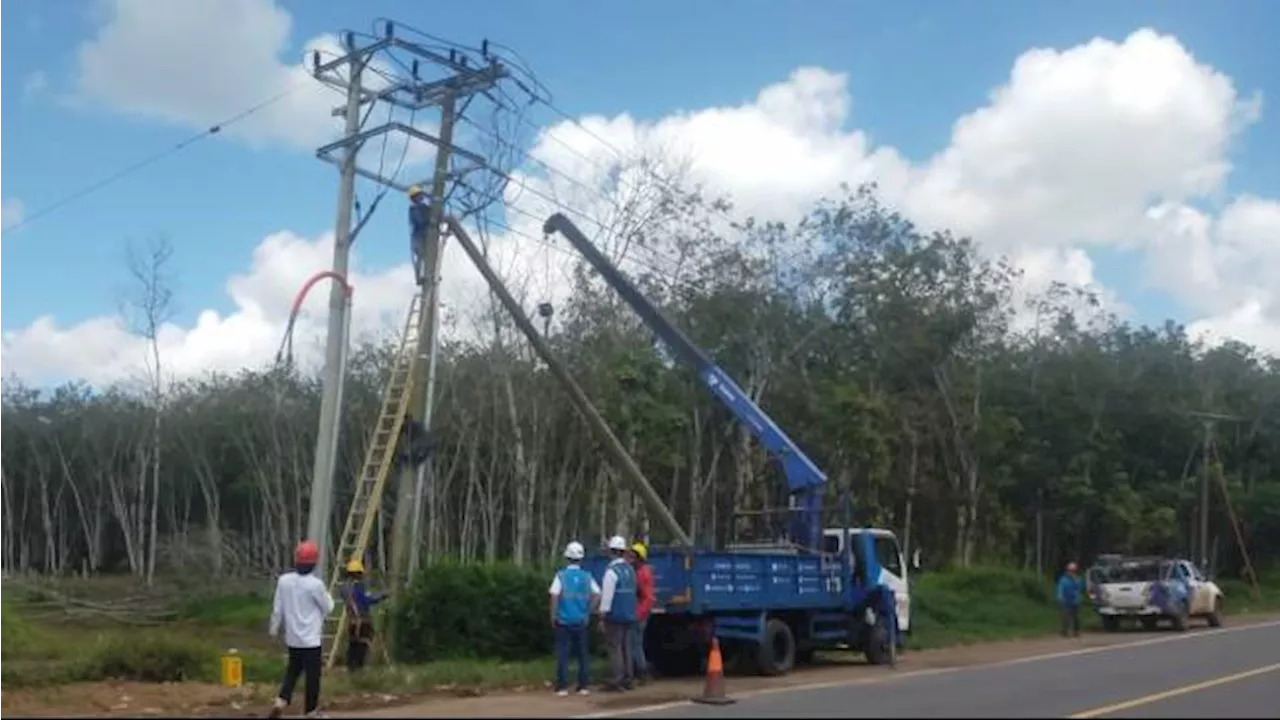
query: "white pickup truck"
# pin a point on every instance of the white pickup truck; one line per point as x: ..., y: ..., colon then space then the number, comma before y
x: 1149, y: 590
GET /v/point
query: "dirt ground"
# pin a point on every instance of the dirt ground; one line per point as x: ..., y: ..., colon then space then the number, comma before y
x: 126, y: 699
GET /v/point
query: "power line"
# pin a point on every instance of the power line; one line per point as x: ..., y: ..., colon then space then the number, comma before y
x: 155, y: 158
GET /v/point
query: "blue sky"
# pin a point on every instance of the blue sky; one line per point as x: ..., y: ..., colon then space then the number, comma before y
x: 913, y: 68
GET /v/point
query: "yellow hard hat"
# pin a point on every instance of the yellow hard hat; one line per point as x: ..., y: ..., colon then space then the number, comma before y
x: 355, y: 566
x: 640, y: 550
x: 415, y: 191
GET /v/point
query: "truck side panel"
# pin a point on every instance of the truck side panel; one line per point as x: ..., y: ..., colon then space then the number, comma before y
x: 715, y: 582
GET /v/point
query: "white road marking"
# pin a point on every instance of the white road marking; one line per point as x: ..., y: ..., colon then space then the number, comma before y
x: 890, y: 676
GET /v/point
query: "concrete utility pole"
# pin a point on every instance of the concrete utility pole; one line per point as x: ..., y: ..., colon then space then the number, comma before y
x: 464, y: 77
x: 405, y: 527
x: 330, y: 422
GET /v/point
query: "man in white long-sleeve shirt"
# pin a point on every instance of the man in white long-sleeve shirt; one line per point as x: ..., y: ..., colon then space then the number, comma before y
x: 300, y: 606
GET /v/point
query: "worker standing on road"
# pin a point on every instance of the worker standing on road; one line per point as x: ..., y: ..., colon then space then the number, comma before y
x: 1070, y: 590
x: 574, y: 596
x: 419, y: 220
x: 644, y: 605
x: 300, y: 606
x: 360, y: 605
x: 618, y: 613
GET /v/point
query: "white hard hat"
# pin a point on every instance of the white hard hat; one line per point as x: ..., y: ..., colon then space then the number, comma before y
x: 574, y: 551
x: 617, y: 542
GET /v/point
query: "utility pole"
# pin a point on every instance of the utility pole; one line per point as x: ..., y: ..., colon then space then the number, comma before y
x: 330, y: 422
x: 465, y: 77
x: 1207, y: 422
x: 405, y: 527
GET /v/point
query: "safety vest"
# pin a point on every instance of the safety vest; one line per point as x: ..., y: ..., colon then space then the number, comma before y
x: 575, y: 596
x: 623, y: 609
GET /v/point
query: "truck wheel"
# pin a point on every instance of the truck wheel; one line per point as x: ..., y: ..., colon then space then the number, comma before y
x: 1110, y: 623
x: 1215, y: 617
x: 777, y: 652
x: 877, y: 647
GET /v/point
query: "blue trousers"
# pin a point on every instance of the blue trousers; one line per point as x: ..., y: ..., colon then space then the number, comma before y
x: 635, y: 644
x: 572, y: 639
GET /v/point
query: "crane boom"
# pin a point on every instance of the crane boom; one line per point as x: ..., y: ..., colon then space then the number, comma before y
x: 805, y: 480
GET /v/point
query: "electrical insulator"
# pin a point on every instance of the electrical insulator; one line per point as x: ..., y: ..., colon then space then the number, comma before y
x: 315, y: 59
x: 389, y: 29
x: 453, y: 56
x: 415, y: 69
x: 351, y: 40
x: 484, y: 48
x: 463, y: 60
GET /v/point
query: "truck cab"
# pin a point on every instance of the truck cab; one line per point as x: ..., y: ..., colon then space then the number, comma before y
x: 893, y: 566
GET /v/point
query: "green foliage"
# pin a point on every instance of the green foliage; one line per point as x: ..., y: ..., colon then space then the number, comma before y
x: 245, y: 610
x: 456, y: 611
x: 979, y: 604
x: 149, y: 657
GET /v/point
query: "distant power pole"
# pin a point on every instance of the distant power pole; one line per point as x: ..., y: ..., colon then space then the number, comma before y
x: 405, y: 89
x: 1207, y: 422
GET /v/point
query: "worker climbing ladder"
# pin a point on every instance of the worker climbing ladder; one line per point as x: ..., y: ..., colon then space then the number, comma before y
x: 379, y: 459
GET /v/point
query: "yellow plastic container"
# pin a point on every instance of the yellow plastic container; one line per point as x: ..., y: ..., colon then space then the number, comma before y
x: 232, y: 669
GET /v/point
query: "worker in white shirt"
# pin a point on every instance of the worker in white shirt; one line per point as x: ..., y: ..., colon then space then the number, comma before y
x: 300, y: 606
x: 618, y: 612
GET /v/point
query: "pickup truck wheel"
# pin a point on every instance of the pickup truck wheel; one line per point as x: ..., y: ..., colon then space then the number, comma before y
x: 1215, y: 617
x: 776, y: 654
x: 1110, y: 623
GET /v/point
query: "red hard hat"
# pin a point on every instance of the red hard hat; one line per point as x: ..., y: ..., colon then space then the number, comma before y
x: 306, y: 553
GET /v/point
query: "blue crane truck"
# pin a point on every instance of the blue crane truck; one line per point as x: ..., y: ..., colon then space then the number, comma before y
x: 769, y: 604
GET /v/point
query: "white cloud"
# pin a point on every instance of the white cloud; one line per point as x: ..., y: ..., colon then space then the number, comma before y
x: 175, y: 61
x: 11, y: 212
x: 1107, y: 143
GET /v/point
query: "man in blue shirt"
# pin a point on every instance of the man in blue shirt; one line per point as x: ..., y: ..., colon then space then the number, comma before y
x: 419, y: 220
x: 359, y: 615
x: 574, y: 596
x: 1070, y: 591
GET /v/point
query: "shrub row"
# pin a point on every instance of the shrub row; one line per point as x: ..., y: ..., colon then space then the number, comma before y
x: 454, y: 611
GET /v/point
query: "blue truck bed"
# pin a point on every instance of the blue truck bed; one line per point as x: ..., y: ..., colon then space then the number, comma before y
x: 706, y: 582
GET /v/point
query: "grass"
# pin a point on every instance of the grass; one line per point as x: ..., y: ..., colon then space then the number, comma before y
x: 975, y: 605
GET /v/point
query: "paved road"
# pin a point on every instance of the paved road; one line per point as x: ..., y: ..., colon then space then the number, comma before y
x: 1234, y: 672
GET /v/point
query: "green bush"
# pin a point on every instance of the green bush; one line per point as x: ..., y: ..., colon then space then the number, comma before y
x: 149, y: 657
x: 977, y: 604
x: 453, y: 611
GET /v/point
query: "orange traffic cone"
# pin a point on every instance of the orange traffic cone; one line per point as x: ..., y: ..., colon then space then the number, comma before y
x: 713, y: 691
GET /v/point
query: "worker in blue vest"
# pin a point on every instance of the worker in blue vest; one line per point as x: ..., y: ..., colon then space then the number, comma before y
x: 574, y: 597
x: 618, y: 602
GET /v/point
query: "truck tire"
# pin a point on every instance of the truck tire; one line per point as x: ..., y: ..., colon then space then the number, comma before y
x: 1215, y: 616
x: 877, y: 647
x: 776, y: 654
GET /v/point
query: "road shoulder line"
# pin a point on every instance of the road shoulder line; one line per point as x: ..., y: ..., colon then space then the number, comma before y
x: 1175, y: 692
x: 892, y: 676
